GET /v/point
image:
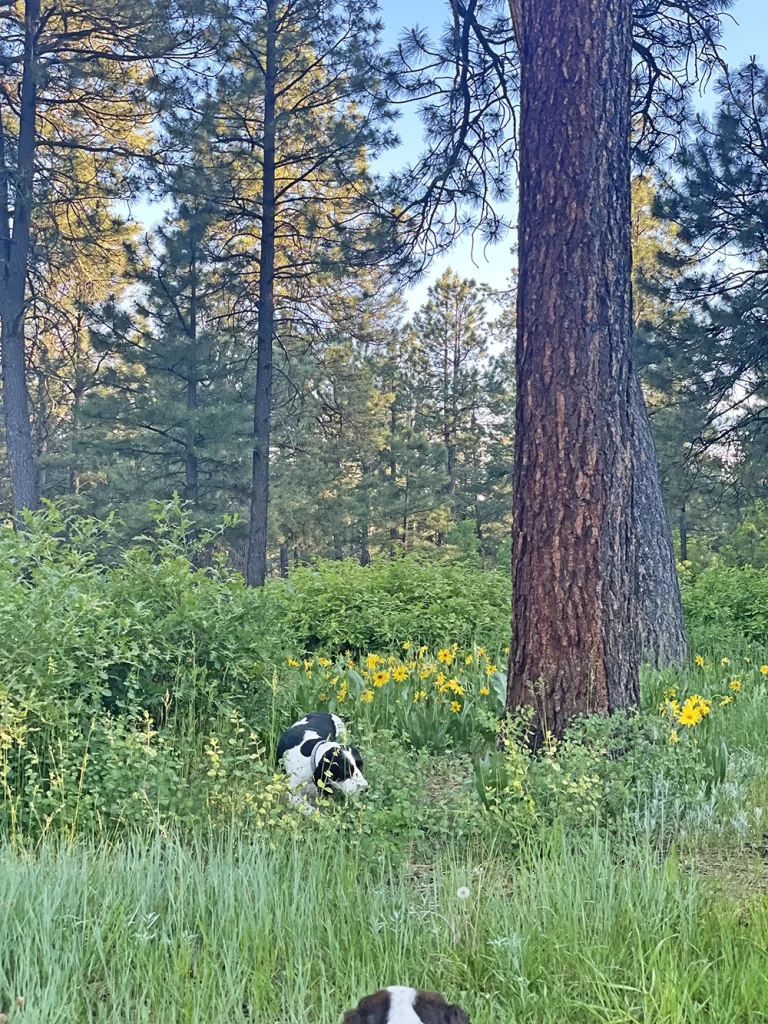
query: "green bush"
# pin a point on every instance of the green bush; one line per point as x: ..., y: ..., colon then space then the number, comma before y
x: 150, y: 632
x: 727, y: 602
x: 335, y: 606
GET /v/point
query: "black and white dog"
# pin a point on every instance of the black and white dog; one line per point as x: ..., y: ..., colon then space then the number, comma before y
x: 399, y: 1005
x: 314, y: 757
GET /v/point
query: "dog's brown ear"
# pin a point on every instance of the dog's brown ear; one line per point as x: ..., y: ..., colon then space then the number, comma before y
x: 431, y: 1008
x: 370, y: 1010
x: 456, y: 1016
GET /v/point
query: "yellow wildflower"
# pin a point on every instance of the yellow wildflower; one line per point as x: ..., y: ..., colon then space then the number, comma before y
x: 445, y: 655
x: 441, y: 679
x: 673, y: 737
x: 748, y: 661
x: 423, y: 650
x: 725, y: 661
x: 455, y: 706
x: 307, y: 665
x: 468, y: 660
x: 419, y: 695
x: 400, y: 674
x: 735, y: 685
x: 325, y: 662
x: 764, y: 669
x: 407, y: 645
x: 690, y: 715
x: 669, y: 694
x: 670, y: 705
x: 372, y: 661
x: 701, y: 703
x: 322, y: 696
x: 726, y: 700
x: 699, y: 659
x: 343, y: 691
x: 366, y: 696
x: 484, y: 691
x: 380, y: 679
x: 293, y: 663
x: 455, y: 687
x: 480, y: 652
x: 490, y: 669
x: 694, y: 709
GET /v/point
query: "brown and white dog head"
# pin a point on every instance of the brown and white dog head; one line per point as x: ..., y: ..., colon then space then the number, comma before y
x: 400, y: 1005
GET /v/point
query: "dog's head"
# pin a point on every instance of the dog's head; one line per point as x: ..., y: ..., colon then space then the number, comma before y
x: 339, y: 768
x: 395, y: 1005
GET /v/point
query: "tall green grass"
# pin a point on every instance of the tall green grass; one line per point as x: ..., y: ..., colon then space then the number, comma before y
x: 170, y: 933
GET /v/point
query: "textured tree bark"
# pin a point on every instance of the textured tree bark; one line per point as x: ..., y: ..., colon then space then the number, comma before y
x: 574, y: 554
x: 13, y: 276
x: 256, y: 569
x: 660, y: 629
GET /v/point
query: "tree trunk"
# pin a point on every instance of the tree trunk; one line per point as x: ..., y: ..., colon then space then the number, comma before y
x: 13, y: 276
x: 191, y: 489
x: 683, y: 535
x: 661, y: 637
x: 256, y: 571
x: 284, y: 560
x: 574, y: 553
x: 365, y: 526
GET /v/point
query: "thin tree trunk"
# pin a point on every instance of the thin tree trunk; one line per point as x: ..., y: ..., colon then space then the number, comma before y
x: 661, y: 636
x: 256, y: 571
x: 574, y: 553
x: 74, y: 473
x: 365, y: 526
x: 191, y: 489
x: 284, y: 560
x: 683, y: 535
x: 13, y: 276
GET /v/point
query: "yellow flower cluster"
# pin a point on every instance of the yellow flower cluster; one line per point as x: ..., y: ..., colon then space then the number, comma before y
x: 448, y: 678
x: 692, y: 711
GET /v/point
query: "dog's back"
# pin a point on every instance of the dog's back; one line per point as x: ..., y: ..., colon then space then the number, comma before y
x: 316, y: 726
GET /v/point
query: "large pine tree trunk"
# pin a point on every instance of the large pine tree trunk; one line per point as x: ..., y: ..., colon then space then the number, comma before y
x: 661, y: 637
x: 574, y: 557
x: 13, y: 275
x: 256, y: 569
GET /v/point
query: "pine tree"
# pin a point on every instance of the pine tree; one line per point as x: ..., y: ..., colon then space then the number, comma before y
x: 74, y: 103
x: 451, y: 334
x: 297, y: 113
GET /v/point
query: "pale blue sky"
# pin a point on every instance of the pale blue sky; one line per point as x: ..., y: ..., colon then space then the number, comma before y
x: 743, y: 38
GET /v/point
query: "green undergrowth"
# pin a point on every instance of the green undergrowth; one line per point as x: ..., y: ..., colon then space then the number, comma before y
x: 232, y: 930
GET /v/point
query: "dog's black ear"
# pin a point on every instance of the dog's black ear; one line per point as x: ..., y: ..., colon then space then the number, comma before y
x: 431, y: 1008
x: 356, y: 758
x: 330, y: 768
x: 371, y: 1010
x: 456, y: 1016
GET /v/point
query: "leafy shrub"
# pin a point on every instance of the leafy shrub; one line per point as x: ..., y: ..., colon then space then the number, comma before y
x: 150, y: 632
x: 726, y: 602
x: 335, y: 606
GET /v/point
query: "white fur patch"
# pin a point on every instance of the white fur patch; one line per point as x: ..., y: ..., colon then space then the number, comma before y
x: 299, y: 768
x: 401, y: 1000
